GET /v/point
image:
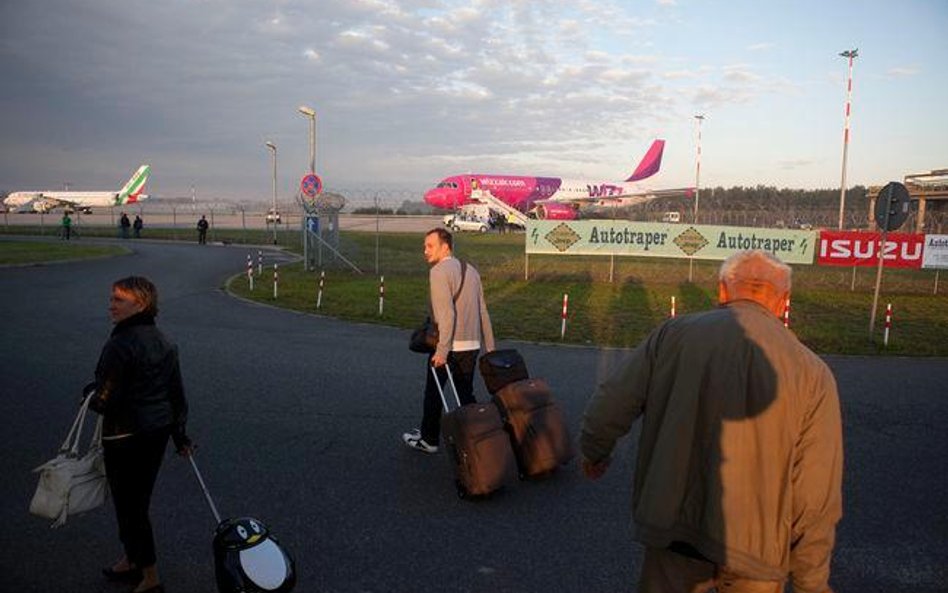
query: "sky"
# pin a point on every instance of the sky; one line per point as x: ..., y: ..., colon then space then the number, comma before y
x: 409, y: 92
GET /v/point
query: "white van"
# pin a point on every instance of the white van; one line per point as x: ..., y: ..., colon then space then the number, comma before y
x: 671, y: 217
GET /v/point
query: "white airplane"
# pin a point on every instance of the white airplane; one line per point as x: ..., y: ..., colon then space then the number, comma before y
x: 44, y: 201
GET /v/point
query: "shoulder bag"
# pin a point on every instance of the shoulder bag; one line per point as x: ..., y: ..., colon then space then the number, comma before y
x: 425, y: 338
x: 70, y: 484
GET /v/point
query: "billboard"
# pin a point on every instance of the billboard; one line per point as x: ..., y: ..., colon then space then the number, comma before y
x: 656, y: 239
x: 936, y: 252
x: 855, y: 248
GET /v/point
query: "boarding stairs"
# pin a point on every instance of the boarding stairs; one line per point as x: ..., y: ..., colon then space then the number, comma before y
x: 509, y: 212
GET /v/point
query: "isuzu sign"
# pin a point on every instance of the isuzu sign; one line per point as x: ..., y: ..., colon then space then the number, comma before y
x: 852, y: 248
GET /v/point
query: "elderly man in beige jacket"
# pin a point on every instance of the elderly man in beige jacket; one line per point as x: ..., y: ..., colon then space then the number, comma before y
x: 739, y: 472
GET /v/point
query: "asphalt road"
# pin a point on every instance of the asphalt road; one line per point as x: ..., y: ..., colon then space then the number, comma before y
x: 298, y: 419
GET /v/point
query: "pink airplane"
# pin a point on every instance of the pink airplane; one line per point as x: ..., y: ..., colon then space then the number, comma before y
x: 551, y: 197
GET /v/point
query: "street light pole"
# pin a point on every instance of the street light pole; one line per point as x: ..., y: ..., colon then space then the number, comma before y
x: 850, y: 55
x: 699, y: 118
x: 311, y: 114
x: 273, y: 150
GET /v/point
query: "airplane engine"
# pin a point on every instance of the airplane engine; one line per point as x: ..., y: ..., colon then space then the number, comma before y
x: 556, y: 212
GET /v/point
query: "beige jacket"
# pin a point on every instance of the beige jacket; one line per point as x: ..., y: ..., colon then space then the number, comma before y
x: 741, y: 450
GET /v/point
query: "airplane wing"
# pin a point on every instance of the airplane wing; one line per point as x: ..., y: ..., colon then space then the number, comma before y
x: 47, y: 203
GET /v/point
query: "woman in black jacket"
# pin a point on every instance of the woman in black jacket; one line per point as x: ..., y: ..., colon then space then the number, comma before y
x: 139, y: 392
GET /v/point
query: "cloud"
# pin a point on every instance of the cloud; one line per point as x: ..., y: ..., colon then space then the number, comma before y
x: 793, y: 164
x: 679, y: 74
x: 901, y: 72
x: 760, y: 46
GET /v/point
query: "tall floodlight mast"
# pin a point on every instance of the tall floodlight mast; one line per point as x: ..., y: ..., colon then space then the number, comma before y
x: 700, y: 119
x: 850, y: 55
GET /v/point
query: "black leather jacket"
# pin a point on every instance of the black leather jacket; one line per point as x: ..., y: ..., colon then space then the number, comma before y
x: 138, y: 382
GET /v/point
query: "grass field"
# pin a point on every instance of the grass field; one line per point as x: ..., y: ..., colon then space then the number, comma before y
x: 830, y: 306
x: 826, y: 314
x: 29, y: 252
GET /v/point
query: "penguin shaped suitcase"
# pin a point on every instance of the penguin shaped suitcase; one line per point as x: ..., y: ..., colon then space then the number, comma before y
x: 247, y: 558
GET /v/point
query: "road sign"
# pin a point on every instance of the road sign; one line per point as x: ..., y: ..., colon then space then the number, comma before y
x: 892, y: 206
x: 311, y: 185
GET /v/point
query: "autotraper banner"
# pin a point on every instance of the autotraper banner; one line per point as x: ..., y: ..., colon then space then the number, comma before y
x: 655, y: 239
x: 936, y: 252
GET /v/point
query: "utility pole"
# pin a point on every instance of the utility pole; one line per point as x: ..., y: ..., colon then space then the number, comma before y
x: 273, y: 149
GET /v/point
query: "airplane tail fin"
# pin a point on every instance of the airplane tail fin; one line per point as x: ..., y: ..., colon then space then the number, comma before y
x: 134, y: 187
x: 651, y: 162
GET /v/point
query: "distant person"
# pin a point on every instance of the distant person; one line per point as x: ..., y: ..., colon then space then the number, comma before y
x: 137, y: 226
x: 511, y: 220
x: 139, y: 393
x: 739, y: 473
x: 67, y: 226
x: 124, y: 225
x: 202, y: 230
x: 460, y: 312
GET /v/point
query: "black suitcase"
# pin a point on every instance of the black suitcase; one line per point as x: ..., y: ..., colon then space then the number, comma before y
x: 477, y: 445
x: 502, y: 367
x: 540, y: 438
x: 247, y: 558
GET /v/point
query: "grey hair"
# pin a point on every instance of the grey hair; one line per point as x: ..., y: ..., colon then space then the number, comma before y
x: 756, y: 267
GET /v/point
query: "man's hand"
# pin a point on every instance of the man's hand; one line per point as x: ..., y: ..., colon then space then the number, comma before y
x: 438, y: 361
x: 594, y: 471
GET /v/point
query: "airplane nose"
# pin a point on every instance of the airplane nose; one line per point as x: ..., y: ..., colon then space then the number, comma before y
x: 434, y: 197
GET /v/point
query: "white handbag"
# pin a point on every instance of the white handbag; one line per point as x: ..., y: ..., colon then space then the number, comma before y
x: 70, y: 484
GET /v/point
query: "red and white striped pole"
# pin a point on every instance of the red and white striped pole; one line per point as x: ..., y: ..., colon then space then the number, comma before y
x: 319, y: 294
x: 565, y: 309
x: 850, y: 54
x: 699, y: 118
x: 381, y: 295
x: 250, y: 271
x: 786, y: 313
x: 888, y: 324
x: 673, y: 308
x: 259, y: 263
x: 276, y: 280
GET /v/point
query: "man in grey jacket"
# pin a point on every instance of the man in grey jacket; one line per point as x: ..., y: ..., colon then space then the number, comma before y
x: 460, y: 312
x: 739, y: 473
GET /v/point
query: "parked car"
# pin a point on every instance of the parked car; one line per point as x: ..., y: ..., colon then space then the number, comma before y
x: 460, y: 223
x: 273, y: 216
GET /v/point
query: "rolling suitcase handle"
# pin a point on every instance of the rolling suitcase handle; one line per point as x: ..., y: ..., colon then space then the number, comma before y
x: 444, y: 402
x: 207, y: 494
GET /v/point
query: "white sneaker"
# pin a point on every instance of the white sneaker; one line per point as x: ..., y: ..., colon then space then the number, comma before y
x: 412, y: 435
x: 421, y: 445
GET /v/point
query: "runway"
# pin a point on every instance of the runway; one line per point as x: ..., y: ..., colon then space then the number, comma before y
x: 298, y: 421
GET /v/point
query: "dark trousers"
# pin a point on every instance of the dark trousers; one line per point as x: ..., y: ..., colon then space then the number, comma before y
x: 132, y: 464
x: 462, y: 370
